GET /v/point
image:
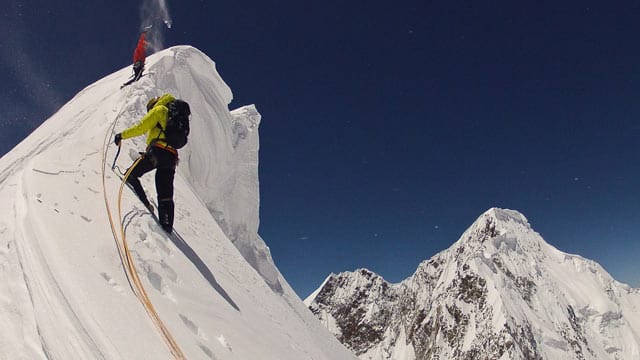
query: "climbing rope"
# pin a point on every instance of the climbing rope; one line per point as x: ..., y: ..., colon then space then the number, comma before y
x: 142, y: 293
x: 105, y: 143
x: 123, y: 249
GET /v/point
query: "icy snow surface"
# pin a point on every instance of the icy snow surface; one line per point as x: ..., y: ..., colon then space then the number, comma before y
x: 64, y: 293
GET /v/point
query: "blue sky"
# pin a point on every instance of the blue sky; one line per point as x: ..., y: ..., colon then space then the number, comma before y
x: 388, y: 127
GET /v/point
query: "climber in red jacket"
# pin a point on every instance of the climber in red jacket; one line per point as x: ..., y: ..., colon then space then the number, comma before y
x: 138, y: 59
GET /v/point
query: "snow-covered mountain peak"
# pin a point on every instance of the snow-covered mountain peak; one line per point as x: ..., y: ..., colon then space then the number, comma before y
x: 496, y: 231
x: 506, y: 216
x: 495, y: 222
x: 362, y: 282
x: 499, y: 292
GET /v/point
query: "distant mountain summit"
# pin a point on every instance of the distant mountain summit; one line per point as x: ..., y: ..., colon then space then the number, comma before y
x: 499, y: 292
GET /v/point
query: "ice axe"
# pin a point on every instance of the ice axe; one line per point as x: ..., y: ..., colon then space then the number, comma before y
x: 113, y: 167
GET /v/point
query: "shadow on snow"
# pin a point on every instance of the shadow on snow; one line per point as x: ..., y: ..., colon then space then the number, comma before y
x: 201, y: 266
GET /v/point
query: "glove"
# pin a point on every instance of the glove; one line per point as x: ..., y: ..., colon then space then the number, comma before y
x: 117, y: 139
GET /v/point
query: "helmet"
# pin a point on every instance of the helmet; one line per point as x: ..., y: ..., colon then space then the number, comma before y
x: 152, y: 103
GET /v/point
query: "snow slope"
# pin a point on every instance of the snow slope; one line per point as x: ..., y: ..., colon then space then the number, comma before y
x: 64, y: 289
x: 499, y: 292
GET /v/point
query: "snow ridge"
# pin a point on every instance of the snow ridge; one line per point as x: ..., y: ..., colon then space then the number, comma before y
x: 214, y: 285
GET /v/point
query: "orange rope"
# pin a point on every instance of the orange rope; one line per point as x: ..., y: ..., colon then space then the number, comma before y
x: 142, y: 294
x: 127, y: 260
x: 106, y: 203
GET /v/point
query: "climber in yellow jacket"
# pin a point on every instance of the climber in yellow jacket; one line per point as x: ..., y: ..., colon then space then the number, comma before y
x: 157, y: 114
x: 159, y: 155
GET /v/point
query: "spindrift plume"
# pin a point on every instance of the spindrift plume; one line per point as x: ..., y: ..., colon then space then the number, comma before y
x: 153, y: 14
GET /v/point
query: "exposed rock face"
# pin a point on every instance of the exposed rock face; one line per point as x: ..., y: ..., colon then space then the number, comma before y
x: 500, y: 292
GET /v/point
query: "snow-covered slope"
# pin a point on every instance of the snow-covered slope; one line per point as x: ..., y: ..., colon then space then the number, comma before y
x: 499, y: 292
x: 64, y: 292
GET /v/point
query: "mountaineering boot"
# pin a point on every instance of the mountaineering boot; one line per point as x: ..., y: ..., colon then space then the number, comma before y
x: 165, y: 214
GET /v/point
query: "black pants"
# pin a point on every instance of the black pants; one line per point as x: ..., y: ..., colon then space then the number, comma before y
x: 138, y: 68
x: 165, y: 164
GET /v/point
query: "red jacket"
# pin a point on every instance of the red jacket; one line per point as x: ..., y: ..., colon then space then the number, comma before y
x: 139, y: 53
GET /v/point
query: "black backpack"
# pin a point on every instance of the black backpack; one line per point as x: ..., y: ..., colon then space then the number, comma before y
x: 177, y: 129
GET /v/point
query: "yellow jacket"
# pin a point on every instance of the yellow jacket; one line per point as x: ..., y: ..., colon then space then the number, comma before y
x: 148, y: 124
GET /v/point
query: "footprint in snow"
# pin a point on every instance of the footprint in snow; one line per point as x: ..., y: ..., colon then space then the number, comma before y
x: 112, y: 282
x: 162, y: 245
x: 166, y: 292
x: 158, y: 283
x: 155, y: 279
x: 207, y: 351
x: 191, y: 326
x: 224, y: 342
x: 171, y: 274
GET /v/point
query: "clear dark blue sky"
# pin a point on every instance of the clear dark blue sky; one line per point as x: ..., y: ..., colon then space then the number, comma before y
x: 388, y: 127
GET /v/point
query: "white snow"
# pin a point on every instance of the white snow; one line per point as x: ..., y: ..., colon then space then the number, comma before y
x: 64, y: 290
x: 539, y: 301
